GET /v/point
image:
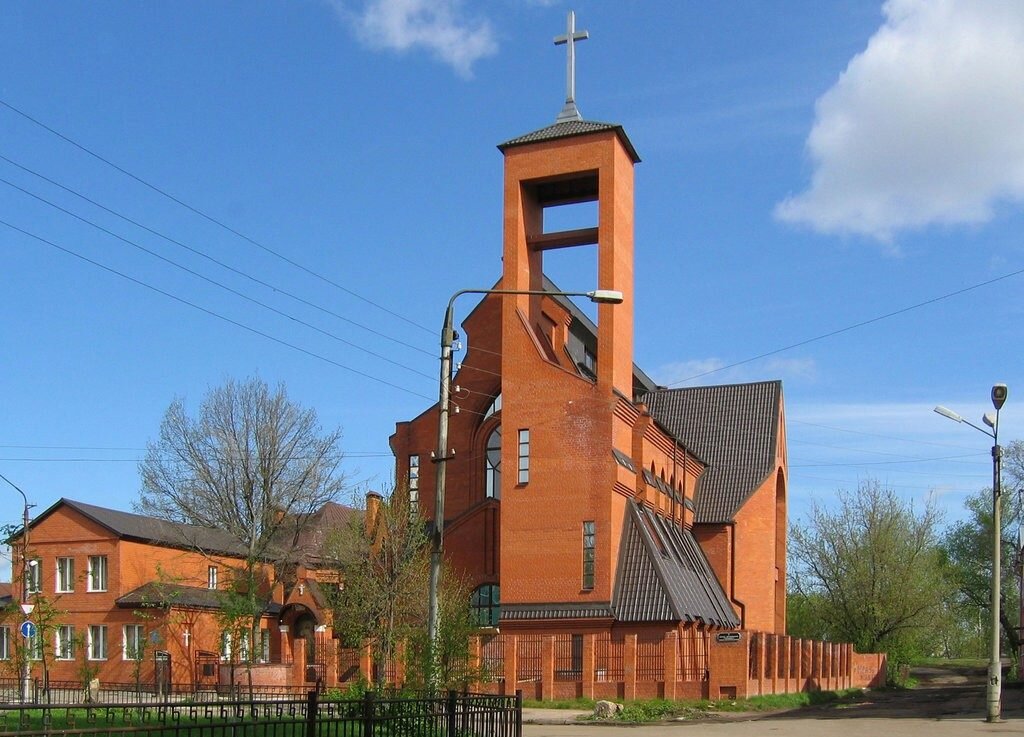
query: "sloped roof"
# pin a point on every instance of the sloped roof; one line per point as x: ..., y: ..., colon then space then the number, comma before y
x: 568, y: 128
x: 150, y: 529
x: 663, y: 575
x: 733, y: 428
x: 160, y: 594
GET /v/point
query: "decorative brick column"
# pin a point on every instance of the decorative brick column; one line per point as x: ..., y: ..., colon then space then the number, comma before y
x: 547, y: 668
x: 511, y: 675
x: 629, y: 667
x: 589, y: 664
x: 670, y: 650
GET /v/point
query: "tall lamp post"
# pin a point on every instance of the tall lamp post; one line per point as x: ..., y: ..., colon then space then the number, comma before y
x: 994, y: 688
x: 441, y: 456
x: 26, y: 678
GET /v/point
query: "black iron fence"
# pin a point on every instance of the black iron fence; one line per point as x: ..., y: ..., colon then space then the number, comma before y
x: 452, y: 715
x: 54, y: 692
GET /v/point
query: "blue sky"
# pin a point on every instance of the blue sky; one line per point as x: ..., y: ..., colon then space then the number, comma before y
x: 806, y: 167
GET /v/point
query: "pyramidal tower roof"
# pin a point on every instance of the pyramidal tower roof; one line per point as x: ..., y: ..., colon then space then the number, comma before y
x: 569, y: 121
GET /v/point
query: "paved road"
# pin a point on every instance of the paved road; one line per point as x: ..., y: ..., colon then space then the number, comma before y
x: 946, y: 703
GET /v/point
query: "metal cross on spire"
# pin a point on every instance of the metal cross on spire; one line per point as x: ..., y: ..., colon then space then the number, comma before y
x: 569, y: 110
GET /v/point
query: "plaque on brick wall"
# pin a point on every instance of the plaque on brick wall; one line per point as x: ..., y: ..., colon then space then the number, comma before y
x: 727, y: 637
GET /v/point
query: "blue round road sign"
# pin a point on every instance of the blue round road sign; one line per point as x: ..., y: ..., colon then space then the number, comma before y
x: 28, y: 629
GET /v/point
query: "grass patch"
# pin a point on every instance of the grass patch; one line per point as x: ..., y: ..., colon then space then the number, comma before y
x: 574, y: 704
x: 659, y: 710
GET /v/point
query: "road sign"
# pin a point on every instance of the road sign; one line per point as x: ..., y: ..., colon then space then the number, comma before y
x: 28, y: 629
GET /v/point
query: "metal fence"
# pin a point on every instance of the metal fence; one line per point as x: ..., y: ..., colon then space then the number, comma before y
x: 54, y: 692
x: 454, y: 715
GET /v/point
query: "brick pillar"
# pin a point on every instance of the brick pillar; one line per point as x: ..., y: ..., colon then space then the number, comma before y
x: 670, y: 650
x: 366, y: 662
x: 816, y: 669
x: 787, y: 662
x: 331, y: 663
x: 399, y: 664
x: 806, y: 672
x: 286, y: 644
x: 299, y: 664
x: 476, y: 644
x: 547, y: 668
x: 511, y: 678
x: 757, y: 641
x: 629, y: 667
x: 773, y: 663
x: 589, y: 664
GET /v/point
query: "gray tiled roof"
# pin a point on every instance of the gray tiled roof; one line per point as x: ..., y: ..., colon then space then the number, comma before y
x: 570, y: 128
x: 149, y: 529
x: 160, y: 594
x: 521, y: 612
x: 663, y: 575
x: 734, y: 428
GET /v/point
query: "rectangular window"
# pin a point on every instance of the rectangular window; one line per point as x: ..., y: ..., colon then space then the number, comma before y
x: 211, y: 577
x: 5, y: 643
x: 65, y: 575
x: 33, y: 577
x: 97, y: 578
x: 414, y: 483
x: 97, y: 642
x: 225, y: 645
x: 524, y: 456
x: 134, y: 644
x: 264, y: 646
x: 64, y: 644
x: 589, y: 545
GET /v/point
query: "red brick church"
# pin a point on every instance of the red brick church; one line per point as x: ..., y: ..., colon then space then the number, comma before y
x: 581, y: 497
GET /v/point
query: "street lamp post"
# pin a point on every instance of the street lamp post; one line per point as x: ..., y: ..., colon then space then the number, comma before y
x: 442, y: 455
x: 26, y: 677
x: 993, y: 691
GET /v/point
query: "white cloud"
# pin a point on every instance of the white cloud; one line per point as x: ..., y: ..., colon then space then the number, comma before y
x: 925, y: 126
x: 438, y: 26
x: 703, y: 371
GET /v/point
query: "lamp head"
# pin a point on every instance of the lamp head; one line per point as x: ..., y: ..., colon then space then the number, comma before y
x: 946, y: 412
x: 999, y: 392
x: 989, y: 419
x: 605, y: 296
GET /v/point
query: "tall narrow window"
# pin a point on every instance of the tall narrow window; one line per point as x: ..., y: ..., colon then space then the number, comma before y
x: 485, y: 604
x: 97, y: 642
x: 64, y: 645
x: 414, y: 484
x: 589, y: 544
x: 97, y: 578
x: 211, y: 577
x: 34, y: 577
x: 133, y: 642
x: 492, y: 464
x: 65, y: 575
x: 5, y: 643
x: 35, y: 646
x: 524, y: 456
x: 264, y: 646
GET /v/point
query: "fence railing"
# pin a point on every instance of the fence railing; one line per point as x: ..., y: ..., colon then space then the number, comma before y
x: 73, y: 692
x: 452, y: 715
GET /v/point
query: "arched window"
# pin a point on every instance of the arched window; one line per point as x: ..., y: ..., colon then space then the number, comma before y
x: 485, y: 605
x: 494, y: 407
x: 492, y: 464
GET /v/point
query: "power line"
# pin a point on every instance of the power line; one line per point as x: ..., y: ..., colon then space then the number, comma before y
x: 202, y: 254
x: 854, y: 326
x: 210, y: 218
x: 216, y: 283
x: 228, y: 320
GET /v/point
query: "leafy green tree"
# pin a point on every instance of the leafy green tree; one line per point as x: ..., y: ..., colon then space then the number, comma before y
x: 968, y: 547
x: 873, y: 567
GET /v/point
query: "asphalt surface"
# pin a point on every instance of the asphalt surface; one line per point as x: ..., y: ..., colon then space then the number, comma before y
x: 947, y: 701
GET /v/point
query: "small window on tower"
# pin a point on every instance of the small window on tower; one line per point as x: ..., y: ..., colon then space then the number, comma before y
x: 524, y: 456
x: 414, y: 484
x: 589, y: 547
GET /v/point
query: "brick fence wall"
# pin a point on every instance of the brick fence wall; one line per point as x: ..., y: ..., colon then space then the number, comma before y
x: 672, y: 665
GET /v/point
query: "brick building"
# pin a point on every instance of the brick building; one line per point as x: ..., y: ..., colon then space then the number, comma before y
x: 581, y: 498
x: 131, y: 594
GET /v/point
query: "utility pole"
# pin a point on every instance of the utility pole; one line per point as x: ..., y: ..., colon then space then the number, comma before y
x: 26, y: 676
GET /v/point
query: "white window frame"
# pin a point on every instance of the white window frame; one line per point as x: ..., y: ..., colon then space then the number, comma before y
x: 264, y: 645
x: 211, y: 577
x: 35, y: 646
x: 136, y: 638
x: 97, y: 637
x: 34, y: 577
x: 524, y: 456
x: 64, y: 642
x: 414, y: 483
x: 5, y: 642
x: 65, y: 583
x: 96, y: 578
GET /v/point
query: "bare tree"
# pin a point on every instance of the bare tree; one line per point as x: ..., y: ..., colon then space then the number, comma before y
x: 252, y: 465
